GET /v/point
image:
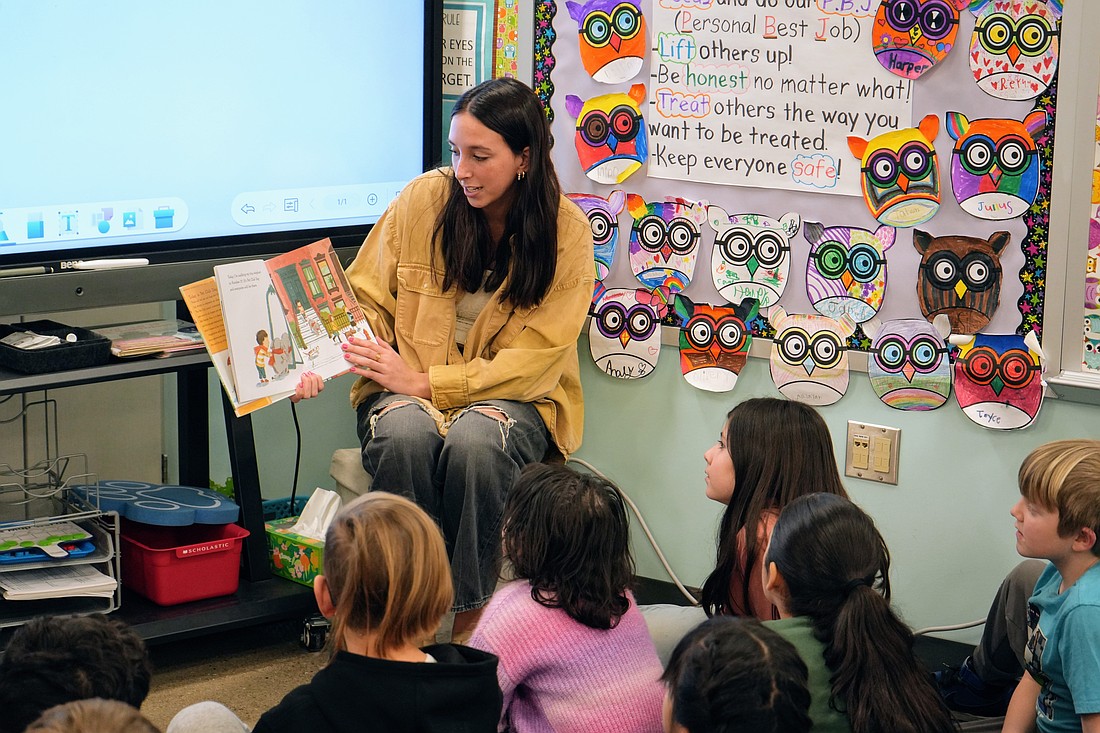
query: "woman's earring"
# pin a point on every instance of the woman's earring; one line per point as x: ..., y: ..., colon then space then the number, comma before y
x: 520, y: 175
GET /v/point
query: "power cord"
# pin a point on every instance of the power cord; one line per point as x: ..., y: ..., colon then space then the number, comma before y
x: 297, y: 457
x: 645, y: 529
x: 687, y: 594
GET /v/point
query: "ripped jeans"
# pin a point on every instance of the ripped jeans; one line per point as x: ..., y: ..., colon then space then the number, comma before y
x: 461, y: 479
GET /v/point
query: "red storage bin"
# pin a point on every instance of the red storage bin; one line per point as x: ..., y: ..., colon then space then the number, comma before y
x: 170, y: 565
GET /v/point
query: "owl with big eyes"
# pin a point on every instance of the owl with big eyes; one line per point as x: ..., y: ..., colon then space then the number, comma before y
x: 624, y: 335
x: 714, y: 342
x: 751, y: 257
x: 809, y: 360
x: 612, y: 38
x: 664, y: 241
x: 1014, y: 46
x: 912, y: 36
x: 960, y: 276
x: 846, y: 271
x: 611, y: 140
x: 603, y: 218
x: 1091, y: 357
x: 901, y: 184
x: 909, y: 365
x: 995, y: 164
x: 999, y: 379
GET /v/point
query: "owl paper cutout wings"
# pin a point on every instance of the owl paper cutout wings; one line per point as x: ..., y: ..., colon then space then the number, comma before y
x: 809, y: 360
x: 999, y: 379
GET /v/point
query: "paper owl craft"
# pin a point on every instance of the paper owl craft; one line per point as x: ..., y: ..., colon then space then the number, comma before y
x: 664, y: 241
x: 612, y: 38
x: 909, y: 365
x: 714, y: 342
x: 999, y: 379
x: 900, y: 182
x: 1091, y: 358
x: 751, y: 257
x: 603, y: 217
x: 960, y: 276
x: 1014, y: 47
x: 911, y: 36
x: 624, y: 335
x: 809, y: 360
x: 846, y: 271
x: 995, y: 164
x: 611, y: 139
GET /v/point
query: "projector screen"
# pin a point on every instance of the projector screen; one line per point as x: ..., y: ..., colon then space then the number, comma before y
x: 199, y: 131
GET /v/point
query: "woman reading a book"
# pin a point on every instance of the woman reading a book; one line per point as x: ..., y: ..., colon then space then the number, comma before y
x: 476, y: 282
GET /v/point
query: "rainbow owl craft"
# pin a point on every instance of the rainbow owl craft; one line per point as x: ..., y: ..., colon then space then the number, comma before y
x: 603, y: 218
x: 1014, y: 47
x: 751, y: 257
x: 999, y: 379
x: 846, y: 271
x: 611, y: 139
x: 960, y: 276
x: 809, y: 360
x: 612, y: 38
x: 909, y: 366
x: 624, y: 335
x: 714, y: 342
x: 995, y: 165
x: 911, y: 36
x: 900, y: 182
x: 664, y: 241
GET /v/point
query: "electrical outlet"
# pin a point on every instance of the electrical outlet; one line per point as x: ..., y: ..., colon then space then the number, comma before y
x: 871, y: 452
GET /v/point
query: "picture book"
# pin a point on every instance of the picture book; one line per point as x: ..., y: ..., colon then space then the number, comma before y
x: 280, y: 317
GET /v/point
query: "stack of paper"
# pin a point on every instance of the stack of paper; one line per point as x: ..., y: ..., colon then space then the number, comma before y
x: 59, y: 582
x: 151, y: 337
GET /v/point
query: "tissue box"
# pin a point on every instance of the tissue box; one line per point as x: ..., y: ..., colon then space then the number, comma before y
x: 293, y: 556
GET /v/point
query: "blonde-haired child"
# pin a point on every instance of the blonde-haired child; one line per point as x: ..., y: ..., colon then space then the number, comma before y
x: 386, y: 585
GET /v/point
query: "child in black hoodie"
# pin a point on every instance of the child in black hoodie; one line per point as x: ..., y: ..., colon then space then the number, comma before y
x: 387, y: 584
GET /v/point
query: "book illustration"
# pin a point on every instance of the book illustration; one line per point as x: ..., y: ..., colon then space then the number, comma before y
x: 286, y: 316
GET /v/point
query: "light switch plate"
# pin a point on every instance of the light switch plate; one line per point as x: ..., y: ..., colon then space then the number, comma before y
x: 871, y: 452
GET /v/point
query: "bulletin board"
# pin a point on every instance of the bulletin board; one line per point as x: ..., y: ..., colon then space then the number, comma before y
x: 749, y: 104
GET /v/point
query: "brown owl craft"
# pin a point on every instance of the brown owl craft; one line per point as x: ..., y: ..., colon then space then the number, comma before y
x: 961, y: 277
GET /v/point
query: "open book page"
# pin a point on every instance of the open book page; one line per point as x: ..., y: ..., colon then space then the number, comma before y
x: 202, y: 301
x: 287, y: 316
x: 59, y: 582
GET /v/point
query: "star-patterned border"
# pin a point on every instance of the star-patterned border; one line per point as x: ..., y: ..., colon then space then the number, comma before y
x: 1034, y: 272
x: 545, y: 10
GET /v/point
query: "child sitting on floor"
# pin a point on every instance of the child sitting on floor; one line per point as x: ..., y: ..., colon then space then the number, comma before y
x: 386, y: 585
x: 574, y: 651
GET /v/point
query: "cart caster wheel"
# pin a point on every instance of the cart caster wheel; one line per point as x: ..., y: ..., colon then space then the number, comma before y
x: 314, y: 633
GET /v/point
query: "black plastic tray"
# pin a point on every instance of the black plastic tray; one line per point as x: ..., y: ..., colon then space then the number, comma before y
x: 89, y: 349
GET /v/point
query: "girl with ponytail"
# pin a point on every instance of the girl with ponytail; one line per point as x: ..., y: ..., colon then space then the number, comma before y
x: 827, y: 570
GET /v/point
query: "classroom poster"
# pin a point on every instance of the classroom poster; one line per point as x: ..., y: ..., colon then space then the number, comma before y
x: 765, y: 93
x: 1090, y: 358
x: 467, y: 53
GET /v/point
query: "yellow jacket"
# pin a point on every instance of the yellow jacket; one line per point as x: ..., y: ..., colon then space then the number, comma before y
x: 521, y: 354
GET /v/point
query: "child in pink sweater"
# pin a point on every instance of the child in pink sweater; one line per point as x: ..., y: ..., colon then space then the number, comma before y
x: 575, y: 654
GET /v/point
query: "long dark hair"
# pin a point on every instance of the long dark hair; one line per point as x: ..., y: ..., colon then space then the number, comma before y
x: 735, y: 675
x: 567, y: 534
x: 528, y: 252
x: 780, y: 450
x: 837, y: 571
